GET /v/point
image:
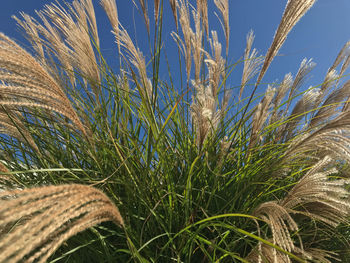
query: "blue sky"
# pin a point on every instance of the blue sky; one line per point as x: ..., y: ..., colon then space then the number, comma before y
x: 319, y: 35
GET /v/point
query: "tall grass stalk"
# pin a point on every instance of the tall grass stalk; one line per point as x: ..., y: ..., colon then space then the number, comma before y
x: 120, y: 165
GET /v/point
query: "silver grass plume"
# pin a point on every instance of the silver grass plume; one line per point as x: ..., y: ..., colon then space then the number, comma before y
x: 252, y: 62
x: 67, y: 36
x: 281, y: 92
x: 215, y: 63
x: 305, y: 68
x: 328, y: 131
x: 319, y: 198
x: 294, y: 10
x: 306, y: 104
x: 329, y: 81
x: 145, y: 14
x: 202, y: 8
x: 74, y: 26
x: 184, y: 19
x: 344, y: 53
x: 136, y: 58
x: 261, y: 114
x: 328, y: 109
x: 173, y: 5
x: 196, y: 40
x: 314, y: 196
x: 28, y: 84
x: 110, y: 7
x: 223, y: 7
x: 268, y: 254
x: 12, y: 125
x: 47, y: 35
x: 156, y: 10
x: 45, y: 217
x: 203, y: 112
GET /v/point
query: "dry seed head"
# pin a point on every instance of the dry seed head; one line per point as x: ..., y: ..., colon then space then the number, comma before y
x: 11, y: 124
x: 215, y: 63
x: 280, y: 222
x: 344, y: 52
x: 91, y: 17
x: 318, y: 197
x: 280, y: 94
x: 145, y: 14
x: 22, y: 69
x: 50, y: 38
x: 252, y: 62
x: 301, y: 108
x: 328, y: 109
x: 305, y: 68
x: 75, y: 29
x: 187, y: 33
x: 202, y: 8
x: 173, y: 5
x: 313, y: 196
x: 295, y: 9
x: 156, y: 10
x: 136, y: 58
x: 328, y: 82
x: 223, y: 7
x: 110, y: 7
x: 203, y: 112
x: 261, y: 114
x: 48, y: 216
x: 196, y: 40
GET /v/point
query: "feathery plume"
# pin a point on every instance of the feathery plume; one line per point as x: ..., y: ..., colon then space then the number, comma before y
x: 145, y: 14
x: 173, y: 5
x: 294, y: 10
x: 47, y: 36
x: 77, y: 38
x: 305, y: 68
x: 110, y: 7
x: 328, y: 82
x: 202, y: 8
x: 28, y: 84
x: 196, y: 40
x: 91, y: 17
x: 137, y: 59
x: 280, y: 94
x: 49, y: 216
x: 302, y: 107
x: 329, y: 106
x: 187, y: 33
x: 330, y: 139
x: 344, y: 52
x: 280, y: 222
x: 317, y: 197
x: 314, y: 196
x: 252, y: 62
x: 223, y: 7
x: 215, y: 63
x: 261, y: 114
x: 11, y: 124
x: 203, y: 112
x: 156, y: 10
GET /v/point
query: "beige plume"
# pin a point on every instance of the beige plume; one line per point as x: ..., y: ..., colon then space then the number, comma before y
x: 28, y: 84
x: 295, y: 9
x: 48, y: 216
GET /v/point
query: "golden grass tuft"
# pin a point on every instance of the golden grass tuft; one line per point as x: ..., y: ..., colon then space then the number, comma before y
x: 47, y: 216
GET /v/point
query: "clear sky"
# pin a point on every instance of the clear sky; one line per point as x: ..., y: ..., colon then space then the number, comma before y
x: 319, y: 35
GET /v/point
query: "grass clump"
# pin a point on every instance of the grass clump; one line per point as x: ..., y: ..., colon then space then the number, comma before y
x: 198, y: 173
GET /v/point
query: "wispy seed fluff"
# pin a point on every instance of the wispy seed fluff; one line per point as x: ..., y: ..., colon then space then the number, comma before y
x: 295, y: 9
